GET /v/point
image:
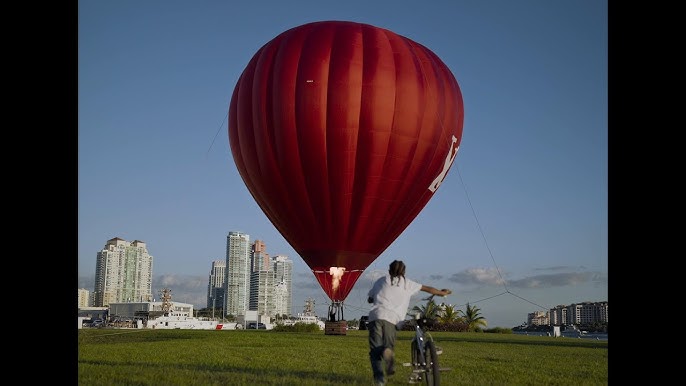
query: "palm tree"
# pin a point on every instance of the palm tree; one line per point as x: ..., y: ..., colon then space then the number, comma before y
x: 430, y: 311
x: 449, y: 314
x: 473, y: 319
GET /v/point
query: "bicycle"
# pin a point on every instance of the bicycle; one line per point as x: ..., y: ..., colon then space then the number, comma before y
x: 425, y: 365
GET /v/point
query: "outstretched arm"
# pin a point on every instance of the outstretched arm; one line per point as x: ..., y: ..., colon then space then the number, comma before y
x: 434, y: 291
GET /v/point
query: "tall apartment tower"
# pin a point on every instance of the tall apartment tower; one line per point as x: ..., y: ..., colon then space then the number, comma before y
x: 283, y: 284
x: 261, y: 277
x: 262, y: 284
x: 84, y: 298
x: 260, y: 257
x: 237, y: 278
x: 123, y: 273
x: 270, y: 289
x: 215, y: 286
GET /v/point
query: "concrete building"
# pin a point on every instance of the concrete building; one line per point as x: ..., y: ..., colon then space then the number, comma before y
x: 538, y: 318
x: 93, y: 312
x: 145, y: 310
x: 260, y: 258
x: 254, y: 281
x: 579, y: 314
x: 262, y: 285
x: 271, y: 283
x: 123, y: 273
x: 283, y: 284
x: 215, y: 286
x: 237, y: 280
x: 84, y: 298
x: 261, y: 280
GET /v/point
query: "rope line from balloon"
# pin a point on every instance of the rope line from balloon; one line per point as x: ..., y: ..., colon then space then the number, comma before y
x: 218, y: 130
x: 488, y: 248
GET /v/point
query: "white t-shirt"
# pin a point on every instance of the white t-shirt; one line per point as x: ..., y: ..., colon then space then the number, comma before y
x: 391, y: 300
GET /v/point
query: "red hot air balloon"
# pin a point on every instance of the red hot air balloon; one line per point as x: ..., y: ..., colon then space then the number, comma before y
x: 342, y: 132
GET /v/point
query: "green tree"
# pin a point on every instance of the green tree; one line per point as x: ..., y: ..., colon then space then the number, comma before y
x: 430, y: 311
x: 474, y: 319
x: 449, y: 314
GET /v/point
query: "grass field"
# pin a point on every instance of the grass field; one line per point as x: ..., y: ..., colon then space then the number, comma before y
x: 265, y: 357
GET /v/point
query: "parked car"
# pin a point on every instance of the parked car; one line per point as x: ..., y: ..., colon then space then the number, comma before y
x: 97, y: 323
x: 256, y: 326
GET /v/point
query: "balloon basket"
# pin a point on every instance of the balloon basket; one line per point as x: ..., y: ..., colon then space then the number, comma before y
x: 336, y: 328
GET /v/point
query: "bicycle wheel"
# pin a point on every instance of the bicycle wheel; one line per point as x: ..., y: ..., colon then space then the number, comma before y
x: 432, y: 371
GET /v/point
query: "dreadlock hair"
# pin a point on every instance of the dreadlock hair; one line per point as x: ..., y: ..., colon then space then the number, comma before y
x: 397, y: 270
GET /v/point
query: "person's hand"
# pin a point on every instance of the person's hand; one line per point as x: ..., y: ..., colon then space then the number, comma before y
x: 446, y: 291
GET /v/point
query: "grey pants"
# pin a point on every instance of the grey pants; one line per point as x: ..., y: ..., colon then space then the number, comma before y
x: 381, y: 335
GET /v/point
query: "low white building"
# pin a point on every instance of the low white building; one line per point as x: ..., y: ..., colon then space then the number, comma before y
x: 93, y: 312
x: 145, y: 310
x: 252, y: 316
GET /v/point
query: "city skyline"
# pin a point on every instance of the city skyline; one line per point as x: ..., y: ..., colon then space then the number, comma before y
x: 187, y: 289
x: 518, y: 225
x: 247, y: 279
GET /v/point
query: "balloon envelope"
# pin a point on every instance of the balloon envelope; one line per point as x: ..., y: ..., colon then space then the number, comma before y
x: 342, y: 132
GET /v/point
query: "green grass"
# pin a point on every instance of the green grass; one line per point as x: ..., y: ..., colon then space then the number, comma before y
x: 263, y: 357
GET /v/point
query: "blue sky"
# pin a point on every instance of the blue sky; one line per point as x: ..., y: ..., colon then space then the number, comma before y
x: 519, y: 224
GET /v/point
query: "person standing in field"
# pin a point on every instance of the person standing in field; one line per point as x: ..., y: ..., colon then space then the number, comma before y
x: 390, y: 297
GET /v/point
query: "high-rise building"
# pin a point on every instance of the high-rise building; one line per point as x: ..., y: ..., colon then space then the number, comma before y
x: 237, y: 280
x: 253, y: 280
x: 84, y: 299
x: 215, y: 286
x: 283, y: 285
x: 123, y: 273
x: 260, y: 257
x: 579, y: 313
x: 270, y: 289
x: 261, y: 278
x: 262, y: 292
